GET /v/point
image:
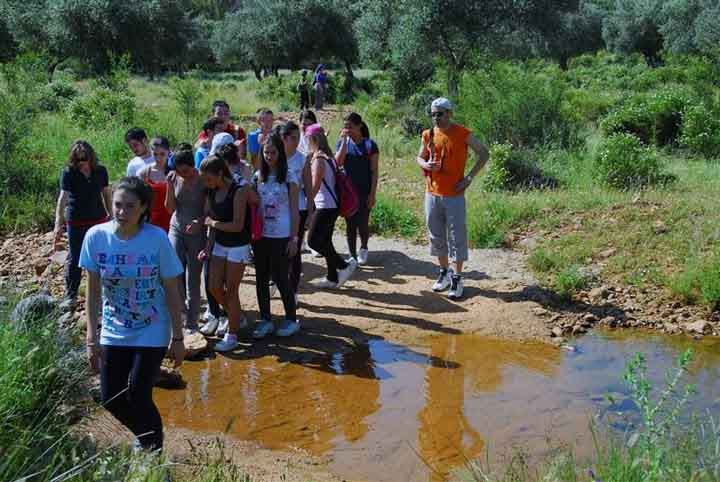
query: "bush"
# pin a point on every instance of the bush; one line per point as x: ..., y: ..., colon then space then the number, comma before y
x: 654, y: 118
x: 569, y: 281
x: 511, y: 169
x: 623, y: 162
x: 699, y: 281
x: 380, y: 110
x: 389, y: 217
x: 701, y: 131
x: 509, y: 103
x: 103, y: 106
x: 56, y: 95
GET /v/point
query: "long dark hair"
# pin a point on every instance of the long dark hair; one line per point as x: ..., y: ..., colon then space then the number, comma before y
x: 216, y: 166
x: 308, y: 114
x: 140, y: 190
x: 282, y: 168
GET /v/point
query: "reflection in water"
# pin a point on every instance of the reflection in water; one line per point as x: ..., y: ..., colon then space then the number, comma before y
x: 278, y: 405
x: 386, y: 412
x: 446, y: 439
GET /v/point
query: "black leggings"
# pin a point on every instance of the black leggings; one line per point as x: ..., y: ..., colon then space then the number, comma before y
x: 271, y: 261
x: 296, y: 262
x: 321, y: 232
x: 127, y: 376
x: 358, y: 224
x: 73, y: 272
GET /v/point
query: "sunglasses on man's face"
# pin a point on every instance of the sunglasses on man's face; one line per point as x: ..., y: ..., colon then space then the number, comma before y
x: 437, y: 114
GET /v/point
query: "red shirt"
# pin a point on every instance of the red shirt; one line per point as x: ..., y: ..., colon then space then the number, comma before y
x: 237, y: 132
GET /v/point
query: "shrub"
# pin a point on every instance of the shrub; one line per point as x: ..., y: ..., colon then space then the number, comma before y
x: 56, y: 95
x: 103, y: 106
x: 389, y: 216
x: 655, y: 118
x: 701, y: 131
x: 569, y: 281
x: 582, y: 106
x: 511, y: 169
x: 623, y: 162
x: 699, y: 281
x: 509, y: 103
x: 380, y: 110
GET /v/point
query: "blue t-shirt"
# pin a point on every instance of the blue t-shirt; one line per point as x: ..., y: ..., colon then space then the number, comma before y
x: 253, y: 141
x: 200, y: 154
x: 134, y: 312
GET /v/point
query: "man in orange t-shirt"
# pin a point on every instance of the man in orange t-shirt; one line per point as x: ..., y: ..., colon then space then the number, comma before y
x: 443, y: 155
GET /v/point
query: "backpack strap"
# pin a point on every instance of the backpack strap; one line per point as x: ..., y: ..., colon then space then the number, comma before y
x: 332, y: 193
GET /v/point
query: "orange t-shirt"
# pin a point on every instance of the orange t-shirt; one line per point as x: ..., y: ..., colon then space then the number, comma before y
x: 451, y: 149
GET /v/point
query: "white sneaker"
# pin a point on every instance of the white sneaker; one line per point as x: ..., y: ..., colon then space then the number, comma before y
x: 362, y: 257
x: 273, y: 289
x: 210, y: 326
x: 456, y: 287
x: 288, y: 328
x: 325, y: 284
x: 297, y: 300
x: 315, y: 253
x: 222, y: 327
x: 344, y: 274
x: 263, y: 329
x: 443, y: 281
x: 228, y: 343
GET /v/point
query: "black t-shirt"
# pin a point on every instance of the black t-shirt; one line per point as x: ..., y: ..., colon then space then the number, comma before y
x: 85, y: 194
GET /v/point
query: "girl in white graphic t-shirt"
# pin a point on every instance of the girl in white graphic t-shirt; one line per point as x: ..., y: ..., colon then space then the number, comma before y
x: 277, y: 188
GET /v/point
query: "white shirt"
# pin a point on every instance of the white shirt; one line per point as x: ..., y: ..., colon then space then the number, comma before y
x: 275, y: 206
x: 303, y: 146
x: 325, y: 199
x: 296, y: 164
x: 137, y: 164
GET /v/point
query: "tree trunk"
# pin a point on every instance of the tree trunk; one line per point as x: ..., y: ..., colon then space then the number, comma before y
x: 349, y: 69
x: 453, y: 81
x: 257, y: 71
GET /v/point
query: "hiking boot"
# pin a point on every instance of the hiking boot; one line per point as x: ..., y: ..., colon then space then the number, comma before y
x: 456, y: 287
x: 443, y: 281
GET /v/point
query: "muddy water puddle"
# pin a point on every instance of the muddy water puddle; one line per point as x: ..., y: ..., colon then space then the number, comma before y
x: 386, y: 412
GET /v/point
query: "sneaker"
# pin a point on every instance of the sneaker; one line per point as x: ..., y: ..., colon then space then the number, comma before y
x: 344, y: 274
x: 362, y: 257
x: 297, y: 300
x: 222, y: 327
x: 315, y: 253
x: 273, y: 289
x: 228, y: 343
x: 443, y: 281
x: 456, y: 287
x: 263, y: 329
x: 325, y: 284
x: 287, y: 328
x: 210, y: 326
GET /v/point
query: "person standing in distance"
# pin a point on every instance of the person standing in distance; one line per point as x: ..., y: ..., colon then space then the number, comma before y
x: 442, y: 157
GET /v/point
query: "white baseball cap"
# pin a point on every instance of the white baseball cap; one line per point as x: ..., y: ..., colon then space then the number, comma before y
x: 441, y: 103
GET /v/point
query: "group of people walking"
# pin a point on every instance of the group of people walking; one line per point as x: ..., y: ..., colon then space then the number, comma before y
x: 212, y: 209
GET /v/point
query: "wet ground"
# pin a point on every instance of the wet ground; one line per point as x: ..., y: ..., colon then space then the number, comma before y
x: 386, y: 412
